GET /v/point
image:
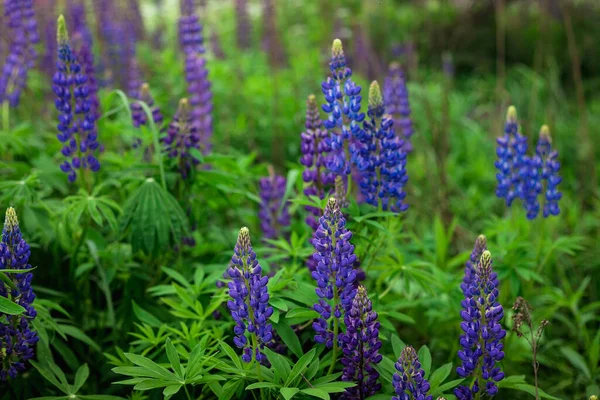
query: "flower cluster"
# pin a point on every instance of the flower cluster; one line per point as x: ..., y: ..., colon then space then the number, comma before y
x: 17, y: 340
x: 274, y: 216
x: 360, y: 346
x: 335, y: 274
x: 137, y: 112
x: 22, y: 29
x: 481, y: 346
x: 523, y: 176
x: 77, y: 121
x: 315, y: 149
x: 409, y: 382
x: 395, y: 95
x: 380, y: 158
x: 199, y: 89
x: 470, y: 272
x: 250, y: 301
x: 190, y: 30
x: 343, y: 102
x: 182, y: 136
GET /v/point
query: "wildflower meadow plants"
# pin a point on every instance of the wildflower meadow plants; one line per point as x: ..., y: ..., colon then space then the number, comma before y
x: 126, y: 274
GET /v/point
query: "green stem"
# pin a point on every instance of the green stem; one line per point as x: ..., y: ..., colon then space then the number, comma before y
x: 5, y: 116
x: 186, y: 392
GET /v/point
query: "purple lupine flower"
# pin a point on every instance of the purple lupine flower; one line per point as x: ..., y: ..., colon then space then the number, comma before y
x: 549, y: 172
x: 274, y: 216
x: 200, y: 95
x: 134, y: 82
x: 511, y: 151
x: 190, y: 30
x: 17, y: 338
x: 470, y: 272
x: 360, y: 346
x: 397, y: 104
x: 76, y: 124
x: 380, y: 158
x: 243, y: 24
x: 315, y: 149
x: 335, y: 273
x: 343, y: 100
x: 481, y: 346
x: 250, y: 301
x: 137, y: 112
x: 182, y: 136
x: 85, y: 55
x: 409, y: 382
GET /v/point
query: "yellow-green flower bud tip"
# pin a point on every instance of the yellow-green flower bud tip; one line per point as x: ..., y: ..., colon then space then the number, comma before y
x: 593, y: 397
x: 62, y: 35
x: 183, y: 109
x: 394, y: 65
x: 441, y: 398
x: 511, y: 114
x: 336, y: 48
x: 244, y: 238
x: 485, y: 263
x: 144, y: 90
x: 11, y: 221
x: 311, y: 99
x: 375, y: 98
x: 545, y: 133
x: 481, y: 239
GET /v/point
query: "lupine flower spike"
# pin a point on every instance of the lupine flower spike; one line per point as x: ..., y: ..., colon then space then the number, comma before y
x: 511, y: 151
x: 360, y: 347
x: 381, y: 160
x: 481, y: 346
x: 549, y: 173
x: 335, y: 275
x: 409, y: 382
x: 17, y: 340
x: 182, y: 136
x: 274, y: 216
x: 315, y: 151
x: 137, y: 112
x: 249, y: 304
x: 470, y: 271
x: 76, y: 120
x: 342, y: 104
x: 395, y: 95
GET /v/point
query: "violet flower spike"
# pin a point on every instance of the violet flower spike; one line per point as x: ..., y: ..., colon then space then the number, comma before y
x: 17, y: 338
x: 470, y: 272
x: 182, y: 136
x: 249, y: 304
x: 409, y: 382
x: 398, y: 106
x: 481, y: 341
x: 360, y: 347
x: 274, y: 216
x: 549, y: 172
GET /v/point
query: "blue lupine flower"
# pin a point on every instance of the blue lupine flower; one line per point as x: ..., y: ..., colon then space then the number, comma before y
x: 274, y: 216
x: 137, y: 112
x: 182, y: 136
x: 470, y: 272
x: 250, y: 301
x: 511, y: 151
x: 549, y: 172
x: 380, y: 159
x: 200, y: 95
x: 76, y: 119
x: 481, y: 346
x: 335, y: 273
x: 395, y: 95
x: 409, y: 382
x: 17, y: 340
x: 343, y: 100
x: 315, y: 149
x: 360, y: 346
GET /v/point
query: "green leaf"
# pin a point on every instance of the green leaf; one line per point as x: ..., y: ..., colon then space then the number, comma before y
x: 281, y: 368
x: 300, y: 366
x: 576, y: 360
x: 231, y: 354
x: 320, y: 393
x: 171, y: 390
x: 79, y: 335
x: 261, y: 385
x: 10, y: 308
x: 153, y: 369
x: 531, y: 390
x: 50, y: 377
x: 425, y: 359
x: 81, y: 377
x: 288, y: 393
x: 440, y: 375
x: 174, y: 359
x: 289, y: 337
x: 397, y: 345
x: 144, y: 316
x: 447, y: 386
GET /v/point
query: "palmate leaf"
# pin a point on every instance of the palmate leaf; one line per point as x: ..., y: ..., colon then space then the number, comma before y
x: 153, y: 218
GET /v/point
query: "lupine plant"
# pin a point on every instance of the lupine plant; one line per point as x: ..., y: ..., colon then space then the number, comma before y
x: 409, y: 381
x: 274, y: 212
x: 395, y: 96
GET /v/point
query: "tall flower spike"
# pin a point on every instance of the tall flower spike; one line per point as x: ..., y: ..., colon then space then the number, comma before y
x: 182, y: 136
x: 199, y: 89
x: 381, y: 160
x: 549, y: 173
x: 16, y: 337
x: 314, y: 150
x: 360, y: 346
x: 409, y: 382
x: 397, y: 104
x: 77, y: 123
x: 481, y: 346
x: 511, y: 151
x: 274, y: 216
x: 249, y: 304
x: 335, y: 273
x: 137, y: 112
x: 190, y: 30
x: 342, y: 104
x: 470, y: 272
